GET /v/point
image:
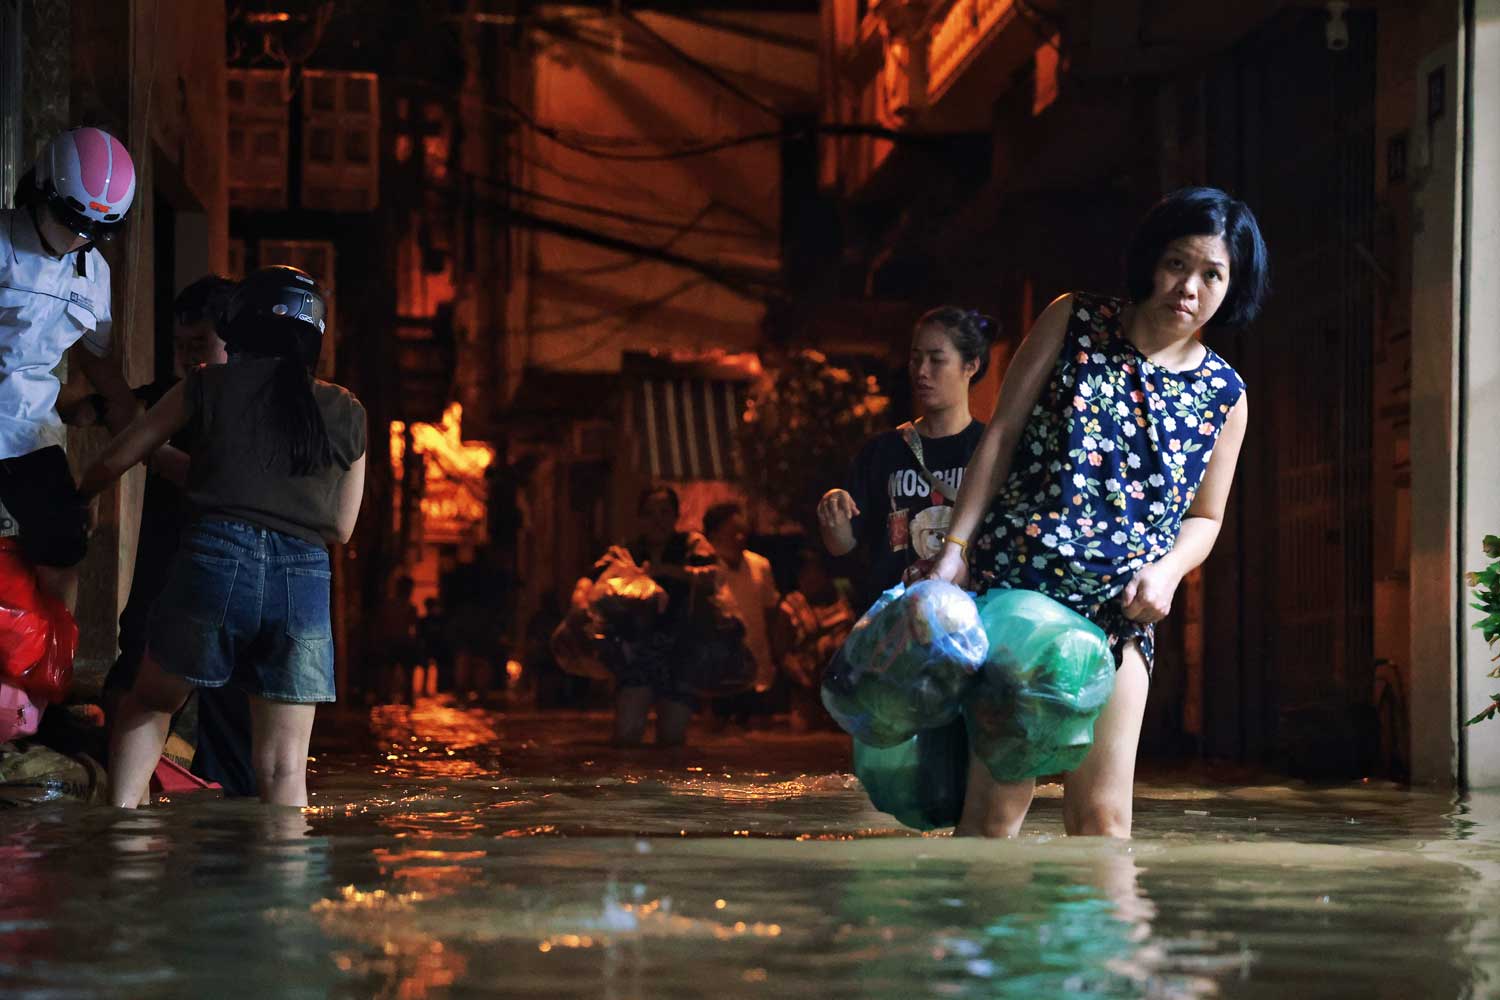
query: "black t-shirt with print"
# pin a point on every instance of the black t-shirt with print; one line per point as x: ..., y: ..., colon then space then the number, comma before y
x: 897, y: 525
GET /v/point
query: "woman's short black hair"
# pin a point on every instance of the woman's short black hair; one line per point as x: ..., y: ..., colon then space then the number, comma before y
x: 658, y: 490
x: 971, y: 331
x: 1204, y: 211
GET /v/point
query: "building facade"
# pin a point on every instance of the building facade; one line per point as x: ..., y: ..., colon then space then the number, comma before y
x: 1328, y: 634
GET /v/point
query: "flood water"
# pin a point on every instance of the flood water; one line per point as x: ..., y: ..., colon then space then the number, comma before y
x: 458, y: 852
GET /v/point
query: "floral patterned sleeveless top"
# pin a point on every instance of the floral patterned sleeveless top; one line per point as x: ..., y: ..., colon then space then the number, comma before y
x: 1109, y: 463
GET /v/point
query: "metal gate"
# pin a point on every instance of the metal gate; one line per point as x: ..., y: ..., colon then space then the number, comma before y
x: 1288, y: 598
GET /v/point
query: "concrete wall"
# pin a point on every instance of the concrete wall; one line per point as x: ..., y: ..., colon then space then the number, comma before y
x: 1480, y: 379
x: 151, y: 71
x: 1436, y: 206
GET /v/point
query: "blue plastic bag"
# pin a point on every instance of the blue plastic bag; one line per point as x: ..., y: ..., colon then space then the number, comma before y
x: 1048, y: 675
x: 907, y: 664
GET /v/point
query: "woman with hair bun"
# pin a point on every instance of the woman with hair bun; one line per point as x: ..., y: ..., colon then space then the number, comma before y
x: 895, y: 503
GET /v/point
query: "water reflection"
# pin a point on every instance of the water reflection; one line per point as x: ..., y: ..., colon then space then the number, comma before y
x: 1013, y: 926
x: 515, y: 854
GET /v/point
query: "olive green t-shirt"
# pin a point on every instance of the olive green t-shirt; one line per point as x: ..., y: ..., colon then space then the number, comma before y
x: 230, y: 475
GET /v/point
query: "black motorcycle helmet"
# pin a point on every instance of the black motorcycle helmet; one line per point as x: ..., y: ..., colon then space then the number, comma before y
x: 275, y: 311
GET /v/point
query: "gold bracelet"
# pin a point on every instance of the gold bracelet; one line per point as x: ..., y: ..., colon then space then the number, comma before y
x: 963, y: 546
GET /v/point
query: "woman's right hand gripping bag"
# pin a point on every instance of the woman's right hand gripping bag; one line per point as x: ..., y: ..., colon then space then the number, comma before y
x: 1048, y: 675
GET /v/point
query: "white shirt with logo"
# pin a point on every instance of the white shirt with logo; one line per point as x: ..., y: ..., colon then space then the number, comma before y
x: 46, y: 306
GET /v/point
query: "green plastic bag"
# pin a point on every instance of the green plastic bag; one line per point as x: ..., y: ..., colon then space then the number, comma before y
x: 1047, y: 677
x: 920, y: 782
x: 906, y: 664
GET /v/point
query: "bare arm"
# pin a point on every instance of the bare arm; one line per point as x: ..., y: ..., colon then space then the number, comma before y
x: 80, y: 409
x: 120, y: 405
x: 1148, y: 596
x: 171, y: 463
x: 990, y: 466
x: 836, y: 512
x: 351, y: 494
x: 140, y: 438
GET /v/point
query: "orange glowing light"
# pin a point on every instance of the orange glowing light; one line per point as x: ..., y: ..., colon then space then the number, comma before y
x: 454, y: 496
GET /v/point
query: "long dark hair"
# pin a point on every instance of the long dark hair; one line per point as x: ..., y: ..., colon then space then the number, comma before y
x: 290, y: 410
x: 277, y: 314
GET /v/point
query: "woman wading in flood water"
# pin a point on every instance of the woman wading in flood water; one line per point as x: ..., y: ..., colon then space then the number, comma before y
x: 277, y: 474
x: 1102, y: 479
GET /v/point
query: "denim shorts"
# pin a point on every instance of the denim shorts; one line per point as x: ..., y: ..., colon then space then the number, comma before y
x: 247, y: 606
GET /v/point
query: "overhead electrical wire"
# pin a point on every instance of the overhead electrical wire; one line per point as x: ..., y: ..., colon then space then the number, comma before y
x: 702, y: 67
x: 615, y: 214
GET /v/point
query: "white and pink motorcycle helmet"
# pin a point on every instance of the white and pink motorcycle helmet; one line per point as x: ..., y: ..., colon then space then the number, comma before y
x: 88, y: 179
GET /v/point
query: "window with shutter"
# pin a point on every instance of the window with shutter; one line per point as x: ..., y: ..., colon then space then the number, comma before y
x: 341, y: 122
x: 258, y: 136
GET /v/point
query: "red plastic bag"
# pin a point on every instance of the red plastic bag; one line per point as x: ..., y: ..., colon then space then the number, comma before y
x: 52, y: 676
x: 24, y: 625
x: 38, y: 635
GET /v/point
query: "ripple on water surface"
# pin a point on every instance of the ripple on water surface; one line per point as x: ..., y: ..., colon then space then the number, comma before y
x: 456, y: 851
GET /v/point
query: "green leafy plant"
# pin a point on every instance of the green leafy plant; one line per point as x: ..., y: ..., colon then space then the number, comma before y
x: 1486, y: 587
x: 802, y: 426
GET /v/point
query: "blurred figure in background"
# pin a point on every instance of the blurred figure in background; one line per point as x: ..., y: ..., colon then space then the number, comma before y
x: 812, y: 623
x: 400, y: 644
x: 435, y: 631
x: 648, y: 671
x: 748, y: 576
x: 476, y: 596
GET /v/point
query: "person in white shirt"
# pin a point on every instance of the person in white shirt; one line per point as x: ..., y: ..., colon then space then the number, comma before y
x: 748, y: 575
x: 55, y: 294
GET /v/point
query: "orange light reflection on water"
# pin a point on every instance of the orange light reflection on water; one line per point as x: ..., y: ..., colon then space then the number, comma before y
x: 413, y: 965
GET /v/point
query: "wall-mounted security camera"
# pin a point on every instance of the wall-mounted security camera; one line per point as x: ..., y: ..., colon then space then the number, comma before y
x: 1336, y: 31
